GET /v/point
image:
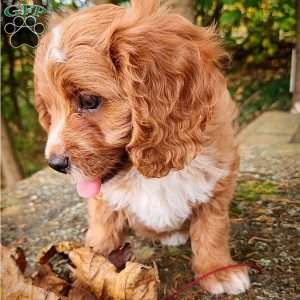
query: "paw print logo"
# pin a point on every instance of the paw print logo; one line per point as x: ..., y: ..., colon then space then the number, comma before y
x: 24, y: 31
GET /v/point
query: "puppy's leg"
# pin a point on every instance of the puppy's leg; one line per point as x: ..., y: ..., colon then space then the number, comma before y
x: 209, y: 233
x: 106, y: 227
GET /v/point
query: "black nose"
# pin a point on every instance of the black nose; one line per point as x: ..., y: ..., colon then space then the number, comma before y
x: 59, y: 163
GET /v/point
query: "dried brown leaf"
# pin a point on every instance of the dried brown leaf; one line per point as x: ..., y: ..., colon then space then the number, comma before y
x: 45, y: 278
x: 13, y: 284
x: 49, y: 251
x: 135, y: 281
x: 121, y: 256
x: 80, y: 291
x: 96, y: 277
x: 19, y: 257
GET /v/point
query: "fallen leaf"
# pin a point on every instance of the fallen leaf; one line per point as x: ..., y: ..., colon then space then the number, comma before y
x: 49, y: 251
x: 134, y: 282
x: 96, y: 277
x: 47, y: 279
x: 264, y: 218
x: 80, y: 291
x: 121, y: 256
x: 14, y: 286
x: 19, y: 257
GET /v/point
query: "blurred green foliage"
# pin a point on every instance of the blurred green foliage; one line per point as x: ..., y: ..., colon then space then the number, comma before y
x: 259, y: 91
x: 17, y: 105
x: 256, y: 30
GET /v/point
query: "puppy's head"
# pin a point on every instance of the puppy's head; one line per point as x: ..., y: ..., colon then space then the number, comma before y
x: 117, y: 88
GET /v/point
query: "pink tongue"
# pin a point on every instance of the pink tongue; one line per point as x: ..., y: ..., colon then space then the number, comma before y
x: 88, y: 189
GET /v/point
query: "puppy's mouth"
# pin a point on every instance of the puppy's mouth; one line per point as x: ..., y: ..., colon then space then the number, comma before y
x: 89, y: 188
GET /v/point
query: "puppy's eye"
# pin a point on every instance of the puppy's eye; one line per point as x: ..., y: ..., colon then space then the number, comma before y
x: 89, y: 102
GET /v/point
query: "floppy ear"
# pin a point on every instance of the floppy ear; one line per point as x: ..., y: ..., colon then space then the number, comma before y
x: 44, y: 117
x: 169, y: 71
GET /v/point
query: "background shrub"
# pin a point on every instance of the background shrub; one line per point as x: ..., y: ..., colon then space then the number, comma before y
x: 255, y: 30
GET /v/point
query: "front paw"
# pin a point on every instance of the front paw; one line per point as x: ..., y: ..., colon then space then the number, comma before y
x: 232, y: 281
x: 98, y: 243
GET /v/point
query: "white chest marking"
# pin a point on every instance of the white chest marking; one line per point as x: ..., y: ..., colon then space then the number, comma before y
x: 164, y: 203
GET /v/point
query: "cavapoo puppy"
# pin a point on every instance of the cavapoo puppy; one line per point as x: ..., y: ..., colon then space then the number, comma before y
x: 138, y: 113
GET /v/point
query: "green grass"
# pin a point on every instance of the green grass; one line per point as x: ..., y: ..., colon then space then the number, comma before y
x: 252, y: 190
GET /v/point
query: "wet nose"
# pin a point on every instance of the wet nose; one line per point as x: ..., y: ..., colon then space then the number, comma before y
x: 59, y: 163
